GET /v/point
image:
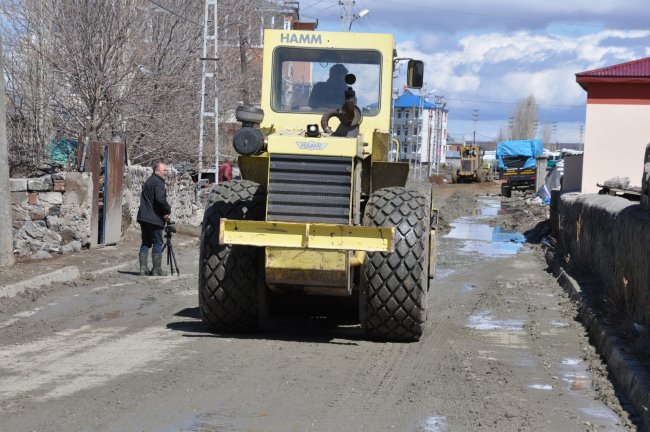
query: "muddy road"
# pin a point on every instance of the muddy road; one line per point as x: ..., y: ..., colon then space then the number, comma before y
x: 502, y: 351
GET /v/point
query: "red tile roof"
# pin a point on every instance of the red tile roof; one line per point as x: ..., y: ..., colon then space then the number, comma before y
x: 632, y: 69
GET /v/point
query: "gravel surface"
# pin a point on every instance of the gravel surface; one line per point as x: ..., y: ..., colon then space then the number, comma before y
x: 502, y: 350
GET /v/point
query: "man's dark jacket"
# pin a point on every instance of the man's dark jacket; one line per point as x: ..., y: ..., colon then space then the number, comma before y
x: 153, y: 201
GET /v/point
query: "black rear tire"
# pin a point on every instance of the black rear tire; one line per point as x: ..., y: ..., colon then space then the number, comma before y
x: 393, y: 292
x: 506, y: 191
x: 231, y: 276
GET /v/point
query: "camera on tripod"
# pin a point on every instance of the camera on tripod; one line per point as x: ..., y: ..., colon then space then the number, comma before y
x: 170, y: 228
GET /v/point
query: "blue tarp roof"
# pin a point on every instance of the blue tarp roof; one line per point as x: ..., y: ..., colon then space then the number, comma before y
x: 528, y: 148
x: 410, y: 100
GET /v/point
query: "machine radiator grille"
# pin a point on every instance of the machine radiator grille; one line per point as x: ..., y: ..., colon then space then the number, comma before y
x: 466, y: 166
x: 309, y: 189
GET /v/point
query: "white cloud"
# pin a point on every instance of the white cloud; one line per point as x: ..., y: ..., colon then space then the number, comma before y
x: 550, y: 87
x: 488, y: 54
x: 514, y: 65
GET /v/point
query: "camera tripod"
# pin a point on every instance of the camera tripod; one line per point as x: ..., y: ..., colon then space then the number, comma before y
x: 171, y: 256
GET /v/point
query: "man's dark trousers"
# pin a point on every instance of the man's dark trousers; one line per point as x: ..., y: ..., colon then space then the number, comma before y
x: 152, y: 236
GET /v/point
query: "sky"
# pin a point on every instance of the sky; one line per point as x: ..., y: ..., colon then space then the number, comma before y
x: 486, y: 55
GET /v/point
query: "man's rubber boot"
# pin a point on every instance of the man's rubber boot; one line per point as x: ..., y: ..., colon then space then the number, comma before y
x: 144, y: 269
x: 157, y: 266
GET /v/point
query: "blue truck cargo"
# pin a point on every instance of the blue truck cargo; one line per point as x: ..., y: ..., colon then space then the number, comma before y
x: 517, y: 164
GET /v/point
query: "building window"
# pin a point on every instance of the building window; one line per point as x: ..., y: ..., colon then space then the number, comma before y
x: 399, y: 131
x: 399, y: 113
x: 406, y: 114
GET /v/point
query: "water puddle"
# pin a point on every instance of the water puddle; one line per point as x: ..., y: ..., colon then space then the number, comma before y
x: 440, y: 273
x: 488, y: 208
x: 485, y: 321
x: 480, y: 237
x: 575, y: 376
x: 468, y: 288
x: 540, y: 386
x: 602, y: 413
x: 202, y: 422
x: 436, y: 424
x: 105, y: 316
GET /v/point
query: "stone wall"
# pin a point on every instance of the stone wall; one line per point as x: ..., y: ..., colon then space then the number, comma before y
x: 181, y: 195
x: 610, y: 238
x: 51, y: 214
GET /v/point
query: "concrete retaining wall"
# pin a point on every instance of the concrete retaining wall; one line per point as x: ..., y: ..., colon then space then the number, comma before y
x: 609, y: 237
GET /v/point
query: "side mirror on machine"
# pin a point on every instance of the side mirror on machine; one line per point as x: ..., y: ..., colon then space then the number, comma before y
x: 415, y: 74
x: 249, y: 139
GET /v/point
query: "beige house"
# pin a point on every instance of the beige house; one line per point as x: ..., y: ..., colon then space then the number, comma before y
x: 617, y: 122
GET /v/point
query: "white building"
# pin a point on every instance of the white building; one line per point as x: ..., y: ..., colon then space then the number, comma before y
x: 617, y: 127
x: 420, y: 126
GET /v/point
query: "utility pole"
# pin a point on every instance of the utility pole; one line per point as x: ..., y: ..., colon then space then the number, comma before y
x: 430, y: 147
x: 440, y: 106
x: 412, y: 144
x: 209, y: 101
x: 555, y: 133
x: 511, y: 126
x: 347, y: 14
x: 582, y: 128
x: 419, y: 135
x: 475, y: 119
x: 6, y: 232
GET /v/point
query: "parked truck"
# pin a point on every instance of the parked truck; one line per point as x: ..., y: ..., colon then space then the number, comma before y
x: 517, y: 164
x: 321, y: 209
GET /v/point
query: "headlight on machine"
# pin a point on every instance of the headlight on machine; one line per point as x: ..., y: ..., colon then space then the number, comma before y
x: 249, y: 140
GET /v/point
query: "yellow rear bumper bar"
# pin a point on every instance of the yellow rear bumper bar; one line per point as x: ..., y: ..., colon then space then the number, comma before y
x: 307, y: 235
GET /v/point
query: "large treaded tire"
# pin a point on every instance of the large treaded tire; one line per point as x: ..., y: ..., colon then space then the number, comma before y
x: 229, y: 276
x: 393, y: 291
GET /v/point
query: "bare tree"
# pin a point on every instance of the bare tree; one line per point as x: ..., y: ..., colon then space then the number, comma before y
x: 547, y: 134
x: 524, y: 119
x: 123, y: 65
x: 503, y: 134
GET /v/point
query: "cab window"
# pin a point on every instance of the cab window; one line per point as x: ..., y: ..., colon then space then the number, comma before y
x: 313, y: 80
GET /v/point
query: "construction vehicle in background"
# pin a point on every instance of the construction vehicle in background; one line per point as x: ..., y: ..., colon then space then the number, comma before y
x: 320, y: 209
x: 471, y: 166
x: 517, y: 164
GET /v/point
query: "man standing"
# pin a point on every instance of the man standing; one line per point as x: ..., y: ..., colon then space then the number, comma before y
x: 154, y: 212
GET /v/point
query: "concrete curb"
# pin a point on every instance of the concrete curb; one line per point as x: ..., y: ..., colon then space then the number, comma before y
x: 630, y: 375
x: 64, y: 274
x: 132, y: 263
x: 71, y: 273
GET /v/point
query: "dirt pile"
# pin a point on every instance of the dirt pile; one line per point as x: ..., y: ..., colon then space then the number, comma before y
x: 437, y: 179
x: 522, y: 214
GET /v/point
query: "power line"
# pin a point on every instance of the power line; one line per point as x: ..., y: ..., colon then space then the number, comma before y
x: 514, y: 103
x: 318, y: 2
x: 174, y: 13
